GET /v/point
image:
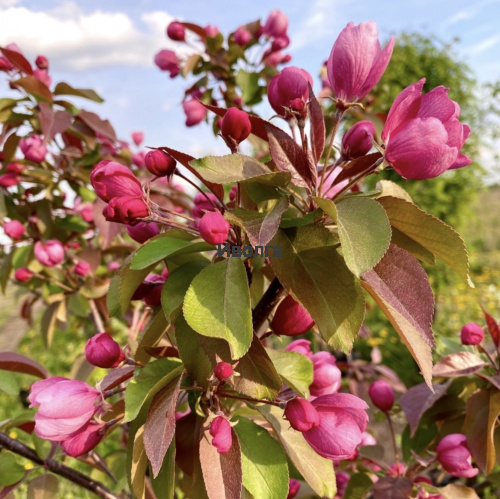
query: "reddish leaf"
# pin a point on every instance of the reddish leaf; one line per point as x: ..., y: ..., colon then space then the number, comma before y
x: 10, y: 147
x: 419, y: 399
x: 288, y: 156
x: 91, y: 256
x: 18, y: 60
x: 34, y: 87
x: 184, y: 160
x: 221, y: 472
x: 195, y: 29
x: 97, y: 124
x: 10, y: 361
x: 53, y: 123
x: 493, y: 327
x: 160, y: 424
x: 317, y: 126
x: 357, y: 166
x: 187, y: 443
x: 458, y: 364
x: 116, y: 377
x: 393, y: 488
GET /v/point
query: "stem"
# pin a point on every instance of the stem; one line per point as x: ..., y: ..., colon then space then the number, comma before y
x: 270, y: 298
x: 248, y: 399
x: 56, y: 467
x: 198, y: 188
x: 174, y: 213
x: 97, y: 318
x: 53, y: 281
x: 393, y: 437
x: 490, y: 358
x: 176, y: 225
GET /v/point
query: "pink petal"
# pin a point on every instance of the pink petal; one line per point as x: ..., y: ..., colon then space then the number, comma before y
x: 59, y: 429
x: 353, y: 405
x: 451, y: 441
x: 41, y: 385
x: 462, y: 160
x: 378, y: 68
x: 437, y: 104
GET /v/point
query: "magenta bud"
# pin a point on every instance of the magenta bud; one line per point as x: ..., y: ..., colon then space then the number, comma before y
x: 242, y: 36
x: 289, y: 88
x: 220, y: 429
x: 23, y: 274
x: 327, y: 376
x: 138, y: 159
x: 137, y: 137
x: 358, y: 140
x: 176, y: 31
x: 276, y: 24
x: 83, y: 441
x: 293, y: 488
x: 167, y: 60
x: 280, y: 43
x: 143, y: 231
x: 82, y: 268
x: 42, y: 62
x: 103, y: 351
x: 111, y: 180
x: 160, y: 163
x: 14, y: 229
x: 291, y: 318
x: 9, y: 180
x: 235, y: 126
x: 213, y: 227
x: 126, y: 210
x: 300, y: 346
x: 43, y: 76
x: 455, y: 457
x: 195, y: 111
x: 233, y: 192
x: 382, y: 395
x: 33, y: 148
x: 49, y: 253
x: 472, y: 334
x: 211, y: 30
x: 301, y: 414
x: 223, y: 371
x: 202, y: 204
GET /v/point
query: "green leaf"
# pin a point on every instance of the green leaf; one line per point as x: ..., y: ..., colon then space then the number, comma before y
x: 217, y: 304
x: 410, y: 245
x: 12, y: 472
x: 63, y: 88
x: 48, y: 322
x: 434, y: 235
x: 317, y: 276
x: 6, y: 269
x: 264, y: 464
x: 260, y: 227
x: 139, y: 464
x: 235, y: 168
x: 358, y: 485
x: 295, y: 369
x: 287, y: 223
x: 178, y: 282
x: 151, y: 336
x: 164, y: 483
x: 364, y: 231
x: 249, y: 84
x: 8, y: 383
x: 147, y: 382
x: 317, y: 471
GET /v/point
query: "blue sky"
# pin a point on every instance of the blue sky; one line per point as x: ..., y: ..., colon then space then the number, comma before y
x: 109, y: 46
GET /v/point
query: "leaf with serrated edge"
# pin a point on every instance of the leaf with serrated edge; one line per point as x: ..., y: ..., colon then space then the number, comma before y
x: 389, y: 188
x: 493, y: 327
x: 410, y: 245
x: 221, y: 472
x: 433, y: 234
x: 458, y: 364
x: 317, y: 471
x: 364, y: 231
x: 295, y: 369
x: 264, y: 465
x: 164, y: 483
x: 217, y: 304
x: 317, y: 276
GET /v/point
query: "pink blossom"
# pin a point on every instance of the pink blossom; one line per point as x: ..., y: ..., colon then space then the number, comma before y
x: 242, y: 36
x: 42, y: 62
x: 167, y: 60
x: 382, y: 395
x: 358, y: 140
x: 276, y: 24
x: 137, y: 137
x: 235, y: 126
x: 84, y: 441
x: 472, y: 334
x: 202, y: 204
x: 422, y: 134
x: 126, y: 209
x: 213, y: 227
x: 301, y: 414
x: 143, y: 231
x: 43, y: 76
x: 138, y: 159
x: 327, y: 376
x: 289, y: 90
x: 23, y: 274
x: 455, y: 457
x: 82, y: 268
x: 357, y: 61
x: 176, y: 31
x: 291, y: 318
x: 160, y: 163
x: 194, y: 110
x: 103, y: 351
x: 49, y: 253
x: 111, y: 179
x: 220, y: 429
x: 329, y: 189
x: 14, y: 229
x: 223, y: 371
x: 300, y: 346
x: 33, y: 148
x: 211, y: 30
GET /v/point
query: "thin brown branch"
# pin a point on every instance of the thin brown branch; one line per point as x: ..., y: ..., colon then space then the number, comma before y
x: 268, y: 301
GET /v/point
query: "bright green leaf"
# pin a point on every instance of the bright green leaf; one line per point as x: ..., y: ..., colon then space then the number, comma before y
x: 12, y: 472
x: 295, y: 369
x: 249, y: 84
x: 8, y: 383
x: 63, y: 88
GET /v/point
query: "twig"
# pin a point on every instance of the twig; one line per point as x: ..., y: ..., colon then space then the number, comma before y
x: 270, y: 298
x: 97, y: 318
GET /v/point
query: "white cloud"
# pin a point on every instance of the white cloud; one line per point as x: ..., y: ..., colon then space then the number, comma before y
x: 8, y: 3
x: 483, y: 45
x: 76, y: 40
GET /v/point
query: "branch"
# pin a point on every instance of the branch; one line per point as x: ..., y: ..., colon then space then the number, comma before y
x: 268, y: 301
x: 56, y: 467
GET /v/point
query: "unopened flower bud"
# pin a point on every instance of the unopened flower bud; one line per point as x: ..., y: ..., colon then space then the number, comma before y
x: 33, y: 148
x: 23, y: 274
x: 42, y: 62
x: 143, y: 231
x: 223, y: 371
x: 137, y: 137
x: 43, y: 76
x: 159, y: 163
x: 301, y: 414
x: 472, y: 334
x: 49, y: 253
x: 358, y: 140
x: 382, y: 395
x: 204, y: 202
x: 327, y: 376
x: 126, y: 210
x: 288, y: 88
x: 167, y: 60
x: 276, y: 24
x: 293, y: 488
x: 82, y: 268
x: 213, y: 227
x: 242, y: 36
x: 235, y: 126
x: 176, y: 31
x: 211, y: 30
x: 220, y: 429
x: 455, y: 457
x: 84, y: 441
x: 291, y: 318
x: 14, y: 229
x: 195, y: 111
x: 103, y: 351
x: 9, y: 180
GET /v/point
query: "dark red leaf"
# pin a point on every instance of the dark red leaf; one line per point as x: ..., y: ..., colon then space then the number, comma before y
x: 10, y: 147
x: 116, y: 377
x: 317, y: 126
x: 493, y: 327
x: 393, y: 488
x: 357, y: 166
x: 195, y: 28
x: 222, y: 473
x: 97, y: 124
x: 160, y: 424
x: 187, y: 442
x: 458, y: 364
x: 160, y: 352
x: 18, y: 60
x: 10, y: 361
x: 34, y: 87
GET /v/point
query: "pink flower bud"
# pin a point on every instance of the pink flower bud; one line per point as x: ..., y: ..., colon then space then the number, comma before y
x: 64, y: 407
x: 291, y: 318
x: 242, y: 36
x: 300, y: 346
x: 126, y: 210
x: 86, y: 211
x: 280, y: 43
x: 176, y: 31
x: 293, y: 488
x: 33, y: 148
x: 137, y: 137
x: 15, y: 168
x: 143, y: 231
x: 43, y: 76
x: 195, y: 111
x: 111, y: 179
x: 113, y: 266
x: 138, y: 159
x: 235, y: 126
x: 233, y: 192
x: 83, y: 441
x: 213, y: 227
x: 8, y: 180
x: 301, y: 414
x: 357, y: 61
x: 382, y: 395
x: 14, y: 229
x: 223, y: 371
x: 342, y: 478
x: 472, y: 334
x: 23, y: 274
x: 42, y: 62
x: 167, y: 60
x: 327, y: 376
x: 455, y: 457
x: 82, y: 268
x: 160, y: 163
x: 422, y: 134
x: 49, y: 253
x: 211, y: 30
x: 202, y: 204
x: 288, y: 89
x: 367, y: 439
x: 276, y: 24
x: 103, y: 351
x: 220, y: 429
x: 358, y: 140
